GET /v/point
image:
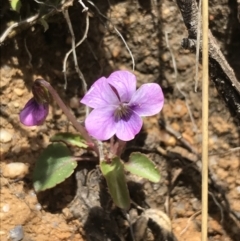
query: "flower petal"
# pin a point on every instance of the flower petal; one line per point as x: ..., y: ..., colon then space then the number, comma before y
x: 125, y: 84
x: 33, y: 114
x: 100, y: 95
x: 147, y: 100
x: 100, y: 123
x: 126, y: 129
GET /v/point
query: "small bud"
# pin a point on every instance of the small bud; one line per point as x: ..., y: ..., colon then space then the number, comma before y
x: 40, y: 92
x: 33, y: 113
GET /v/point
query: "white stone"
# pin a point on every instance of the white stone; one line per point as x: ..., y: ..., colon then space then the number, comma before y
x: 6, y: 208
x: 15, y: 170
x: 5, y: 136
x: 19, y: 92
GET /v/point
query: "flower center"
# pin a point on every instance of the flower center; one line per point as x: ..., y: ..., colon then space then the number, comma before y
x: 122, y: 112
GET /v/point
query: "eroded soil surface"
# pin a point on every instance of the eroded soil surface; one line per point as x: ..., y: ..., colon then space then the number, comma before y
x: 80, y: 208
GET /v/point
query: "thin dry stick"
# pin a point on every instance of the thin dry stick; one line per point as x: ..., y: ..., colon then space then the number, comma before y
x: 71, y: 50
x: 116, y: 30
x: 225, y: 153
x: 205, y: 121
x: 100, y: 148
x: 189, y: 222
x: 66, y: 15
x: 9, y: 30
x: 235, y: 149
x: 85, y: 9
x: 130, y: 52
x: 43, y: 3
x: 130, y: 225
x: 198, y: 44
x: 219, y: 206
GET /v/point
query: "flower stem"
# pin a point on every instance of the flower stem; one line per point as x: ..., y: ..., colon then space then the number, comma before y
x: 69, y: 115
x: 117, y: 147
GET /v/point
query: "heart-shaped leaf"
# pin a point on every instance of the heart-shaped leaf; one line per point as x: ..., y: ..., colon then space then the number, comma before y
x: 115, y: 176
x: 70, y: 139
x: 16, y: 5
x: 53, y: 166
x: 140, y: 165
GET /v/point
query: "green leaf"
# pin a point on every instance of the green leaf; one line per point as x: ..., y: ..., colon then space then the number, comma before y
x: 140, y: 165
x: 44, y: 23
x: 115, y: 176
x: 70, y: 139
x: 16, y: 5
x: 53, y: 166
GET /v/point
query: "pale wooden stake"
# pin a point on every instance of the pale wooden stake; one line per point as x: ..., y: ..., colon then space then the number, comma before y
x: 205, y: 120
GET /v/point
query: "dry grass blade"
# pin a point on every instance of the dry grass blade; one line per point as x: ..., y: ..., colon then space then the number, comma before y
x: 118, y: 33
x: 198, y: 44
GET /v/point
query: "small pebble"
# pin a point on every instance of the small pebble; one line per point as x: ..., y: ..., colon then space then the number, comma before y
x: 34, y: 146
x: 38, y: 207
x: 32, y: 193
x: 6, y: 208
x: 74, y: 103
x: 4, y: 148
x: 196, y: 204
x: 16, y: 104
x: 18, y: 92
x: 16, y: 234
x: 15, y: 170
x: 16, y: 149
x: 238, y: 189
x: 2, y: 232
x: 180, y: 209
x: 58, y: 112
x: 5, y: 136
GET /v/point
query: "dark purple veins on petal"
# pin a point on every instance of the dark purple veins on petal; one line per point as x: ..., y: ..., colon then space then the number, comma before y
x: 123, y: 112
x: 115, y: 91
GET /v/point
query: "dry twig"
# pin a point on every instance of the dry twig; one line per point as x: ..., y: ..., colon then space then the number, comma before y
x: 221, y: 73
x: 31, y: 20
x: 79, y: 72
x: 9, y: 32
x: 71, y: 50
x: 189, y: 222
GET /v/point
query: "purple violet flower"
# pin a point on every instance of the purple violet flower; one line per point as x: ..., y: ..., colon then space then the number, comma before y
x: 33, y: 113
x: 118, y: 106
